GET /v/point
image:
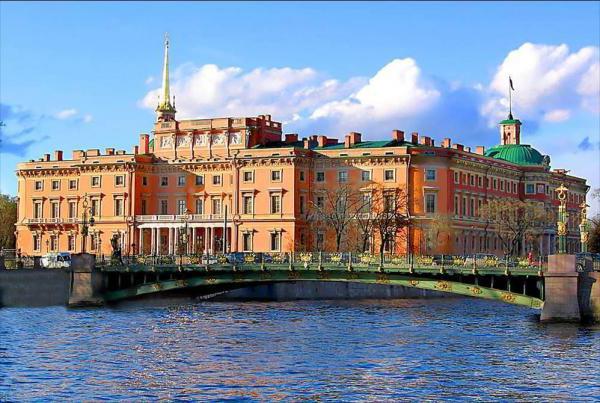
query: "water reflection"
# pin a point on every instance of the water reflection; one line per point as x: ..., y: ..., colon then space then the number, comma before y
x: 319, y: 350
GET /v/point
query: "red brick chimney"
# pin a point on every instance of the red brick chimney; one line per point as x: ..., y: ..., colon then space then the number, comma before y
x: 110, y: 151
x: 46, y: 157
x: 58, y: 155
x: 322, y: 141
x: 144, y: 144
x: 291, y: 138
x: 398, y: 135
x: 414, y: 138
x: 480, y: 150
x: 447, y: 142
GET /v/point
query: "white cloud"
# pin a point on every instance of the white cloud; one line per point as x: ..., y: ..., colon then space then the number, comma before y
x: 547, y: 79
x: 66, y: 114
x: 397, y: 90
x: 88, y: 118
x: 557, y: 115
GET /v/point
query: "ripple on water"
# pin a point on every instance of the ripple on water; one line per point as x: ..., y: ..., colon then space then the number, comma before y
x: 329, y: 350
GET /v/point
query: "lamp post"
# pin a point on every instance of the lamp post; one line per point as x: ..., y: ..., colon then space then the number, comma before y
x: 584, y: 227
x: 85, y: 223
x: 183, y: 238
x: 563, y: 216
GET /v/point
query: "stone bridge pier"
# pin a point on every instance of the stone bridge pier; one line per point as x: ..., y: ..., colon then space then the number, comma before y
x: 86, y: 282
x: 570, y: 295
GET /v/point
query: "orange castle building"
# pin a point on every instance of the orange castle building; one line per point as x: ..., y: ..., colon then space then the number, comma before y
x: 239, y: 182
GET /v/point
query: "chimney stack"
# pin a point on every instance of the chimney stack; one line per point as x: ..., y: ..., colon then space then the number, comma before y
x: 58, y: 155
x: 321, y: 141
x: 135, y: 150
x: 447, y: 142
x: 458, y: 147
x: 291, y: 138
x: 468, y: 149
x: 414, y: 138
x: 425, y: 140
x: 46, y: 157
x: 480, y: 150
x: 398, y: 135
x: 110, y: 151
x: 144, y: 144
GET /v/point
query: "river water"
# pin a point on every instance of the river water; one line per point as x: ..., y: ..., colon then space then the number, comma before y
x: 378, y: 350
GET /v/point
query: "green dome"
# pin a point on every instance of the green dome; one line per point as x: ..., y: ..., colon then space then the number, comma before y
x: 520, y: 154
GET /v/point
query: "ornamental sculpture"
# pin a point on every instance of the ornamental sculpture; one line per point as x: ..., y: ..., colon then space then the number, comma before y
x: 584, y: 227
x: 563, y: 218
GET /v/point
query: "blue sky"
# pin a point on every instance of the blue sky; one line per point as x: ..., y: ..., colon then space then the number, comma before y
x: 84, y: 75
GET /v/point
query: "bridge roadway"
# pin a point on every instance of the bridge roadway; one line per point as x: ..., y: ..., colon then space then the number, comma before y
x: 520, y: 285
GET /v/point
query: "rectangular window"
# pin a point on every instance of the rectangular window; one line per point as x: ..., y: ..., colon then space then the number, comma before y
x: 181, y: 180
x: 320, y: 201
x: 72, y: 209
x: 464, y: 207
x: 472, y: 207
x: 247, y: 242
x: 39, y: 185
x: 55, y: 185
x: 389, y: 203
x: 199, y: 206
x: 164, y: 181
x: 479, y: 202
x: 479, y: 181
x: 37, y: 209
x: 248, y: 176
x: 301, y: 176
x: 275, y: 241
x: 320, y: 240
x: 430, y: 203
x: 37, y: 243
x: 144, y: 181
x: 55, y: 210
x: 456, y: 177
x: 95, y: 181
x: 164, y: 207
x: 276, y: 176
x: 95, y: 208
x: 472, y: 180
x: 388, y: 175
x: 495, y: 186
x: 502, y: 185
x: 302, y: 201
x: 181, y: 207
x: 53, y: 243
x: 530, y: 188
x: 320, y: 176
x: 144, y: 209
x: 366, y: 203
x: 118, y: 207
x: 247, y: 205
x: 199, y: 180
x: 71, y: 242
x: 430, y: 174
x: 456, y: 199
x: 541, y: 189
x: 342, y: 176
x: 216, y: 180
x: 120, y: 180
x: 72, y: 184
x: 216, y: 206
x: 365, y: 176
x: 275, y: 204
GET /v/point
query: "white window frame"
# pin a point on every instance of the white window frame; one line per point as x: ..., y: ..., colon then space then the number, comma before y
x: 428, y: 171
x: 57, y: 182
x: 117, y: 180
x: 385, y: 171
x: 99, y: 184
x: 273, y: 174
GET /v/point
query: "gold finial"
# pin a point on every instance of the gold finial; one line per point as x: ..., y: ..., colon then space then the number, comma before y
x: 562, y: 192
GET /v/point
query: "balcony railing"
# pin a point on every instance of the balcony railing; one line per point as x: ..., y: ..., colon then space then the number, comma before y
x: 179, y: 217
x: 51, y: 220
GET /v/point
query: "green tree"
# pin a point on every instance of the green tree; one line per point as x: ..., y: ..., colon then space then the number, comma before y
x: 8, y: 218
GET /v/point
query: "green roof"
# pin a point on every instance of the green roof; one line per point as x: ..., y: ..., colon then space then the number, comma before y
x: 339, y: 146
x: 520, y: 154
x: 510, y: 122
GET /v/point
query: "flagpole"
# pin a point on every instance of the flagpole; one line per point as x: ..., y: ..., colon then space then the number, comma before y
x: 509, y: 100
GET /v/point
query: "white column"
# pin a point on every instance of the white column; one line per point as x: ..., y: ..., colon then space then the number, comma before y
x: 152, y: 241
x: 158, y: 246
x: 170, y: 241
x: 205, y: 240
x: 193, y: 239
x: 175, y: 240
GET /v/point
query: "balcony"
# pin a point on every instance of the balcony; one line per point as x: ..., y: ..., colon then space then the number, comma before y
x: 174, y: 218
x: 33, y: 221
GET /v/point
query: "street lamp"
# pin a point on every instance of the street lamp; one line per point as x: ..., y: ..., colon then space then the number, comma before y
x: 183, y: 238
x: 584, y: 227
x: 85, y: 223
x: 563, y: 216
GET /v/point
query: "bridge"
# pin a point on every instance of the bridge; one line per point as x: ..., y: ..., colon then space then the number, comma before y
x: 558, y: 288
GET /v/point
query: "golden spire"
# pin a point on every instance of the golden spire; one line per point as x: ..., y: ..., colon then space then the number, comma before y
x: 164, y: 104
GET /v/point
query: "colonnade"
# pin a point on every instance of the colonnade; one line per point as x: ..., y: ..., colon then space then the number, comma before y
x: 164, y: 240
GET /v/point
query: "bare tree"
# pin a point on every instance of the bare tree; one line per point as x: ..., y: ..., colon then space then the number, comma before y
x: 389, y: 211
x: 513, y: 221
x: 441, y: 228
x: 336, y: 209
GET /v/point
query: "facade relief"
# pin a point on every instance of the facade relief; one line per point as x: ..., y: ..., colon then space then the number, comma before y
x: 166, y: 142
